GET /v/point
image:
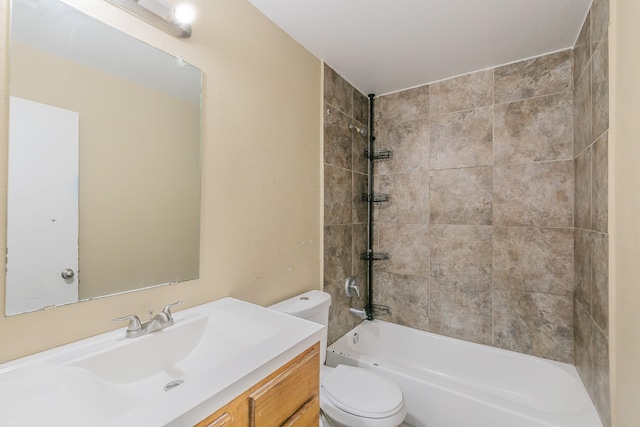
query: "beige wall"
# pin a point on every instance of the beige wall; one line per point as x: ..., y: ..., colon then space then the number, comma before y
x: 139, y: 172
x: 260, y: 230
x: 624, y: 211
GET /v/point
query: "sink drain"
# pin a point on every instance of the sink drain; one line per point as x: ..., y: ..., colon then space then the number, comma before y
x: 172, y: 385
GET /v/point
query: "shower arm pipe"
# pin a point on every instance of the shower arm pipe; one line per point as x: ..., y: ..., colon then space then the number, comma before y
x: 370, y: 163
x: 361, y: 131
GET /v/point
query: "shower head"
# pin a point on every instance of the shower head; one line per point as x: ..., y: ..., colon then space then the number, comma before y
x: 361, y: 131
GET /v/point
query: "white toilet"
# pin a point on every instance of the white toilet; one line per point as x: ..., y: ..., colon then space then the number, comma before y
x: 349, y: 396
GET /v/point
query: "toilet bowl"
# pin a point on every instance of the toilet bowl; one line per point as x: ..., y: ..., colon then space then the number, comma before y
x: 354, y: 397
x: 349, y: 396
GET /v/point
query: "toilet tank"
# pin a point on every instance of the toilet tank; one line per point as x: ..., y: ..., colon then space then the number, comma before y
x: 312, y: 306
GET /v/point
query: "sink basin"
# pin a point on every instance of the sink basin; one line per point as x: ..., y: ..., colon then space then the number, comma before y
x: 210, y: 353
x: 140, y: 368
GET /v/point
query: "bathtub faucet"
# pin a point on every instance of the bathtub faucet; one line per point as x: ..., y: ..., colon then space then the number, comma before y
x: 360, y: 313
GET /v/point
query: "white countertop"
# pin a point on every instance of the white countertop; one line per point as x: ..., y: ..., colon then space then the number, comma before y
x: 218, y: 349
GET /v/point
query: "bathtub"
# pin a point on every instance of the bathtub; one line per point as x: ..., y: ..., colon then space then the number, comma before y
x: 453, y: 383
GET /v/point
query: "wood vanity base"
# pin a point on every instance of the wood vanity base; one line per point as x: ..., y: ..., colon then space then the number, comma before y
x: 287, y: 397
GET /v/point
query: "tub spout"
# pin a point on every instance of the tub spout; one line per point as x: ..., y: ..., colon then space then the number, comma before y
x: 360, y: 313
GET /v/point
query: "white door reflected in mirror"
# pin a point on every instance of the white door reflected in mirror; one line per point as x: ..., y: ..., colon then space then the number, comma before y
x: 42, y: 206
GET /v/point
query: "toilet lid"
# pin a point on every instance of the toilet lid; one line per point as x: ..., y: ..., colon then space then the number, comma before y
x: 361, y: 392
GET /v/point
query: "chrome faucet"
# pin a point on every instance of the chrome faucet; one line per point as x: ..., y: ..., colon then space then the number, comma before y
x: 362, y: 314
x: 162, y: 320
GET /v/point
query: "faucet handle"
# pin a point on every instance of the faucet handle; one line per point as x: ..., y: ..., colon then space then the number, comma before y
x: 351, y: 287
x: 167, y: 310
x: 134, y: 322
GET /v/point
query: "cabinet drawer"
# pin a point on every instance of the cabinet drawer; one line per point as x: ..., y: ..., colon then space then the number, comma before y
x: 306, y: 416
x: 234, y: 414
x: 225, y: 420
x: 290, y: 392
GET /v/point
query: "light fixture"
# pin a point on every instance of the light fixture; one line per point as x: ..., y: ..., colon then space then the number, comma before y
x: 175, y: 21
x: 184, y: 13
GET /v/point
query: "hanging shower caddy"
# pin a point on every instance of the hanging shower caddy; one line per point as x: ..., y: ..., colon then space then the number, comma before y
x: 371, y: 198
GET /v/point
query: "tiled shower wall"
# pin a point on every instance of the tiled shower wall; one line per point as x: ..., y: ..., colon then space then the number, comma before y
x: 497, y: 224
x: 345, y: 215
x: 480, y: 224
x: 591, y: 101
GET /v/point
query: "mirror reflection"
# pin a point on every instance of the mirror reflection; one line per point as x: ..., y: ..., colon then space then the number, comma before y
x: 104, y: 161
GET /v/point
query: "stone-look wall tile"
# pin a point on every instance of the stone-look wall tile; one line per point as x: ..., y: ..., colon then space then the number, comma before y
x: 599, y: 21
x: 359, y: 145
x: 407, y: 246
x: 337, y: 255
x: 360, y: 107
x: 583, y: 346
x: 337, y: 195
x: 358, y: 246
x: 534, y: 194
x: 591, y: 102
x: 534, y: 323
x: 600, y: 87
x: 582, y: 49
x: 533, y: 259
x: 600, y: 281
x: 600, y: 184
x: 592, y: 361
x: 582, y: 190
x: 462, y: 139
x: 406, y: 296
x: 337, y: 138
x: 360, y: 187
x: 409, y: 202
x: 462, y: 93
x: 461, y: 253
x: 409, y: 142
x: 544, y: 75
x: 534, y: 130
x: 599, y: 392
x: 402, y: 106
x: 582, y: 112
x: 461, y: 196
x: 461, y: 310
x: 337, y: 91
x: 340, y: 320
x: 455, y: 295
x: 583, y: 251
x: 344, y: 176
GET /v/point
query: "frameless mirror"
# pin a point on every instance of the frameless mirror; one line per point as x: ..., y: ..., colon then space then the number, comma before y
x: 104, y: 161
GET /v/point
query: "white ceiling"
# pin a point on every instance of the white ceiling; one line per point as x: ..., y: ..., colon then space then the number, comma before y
x: 382, y: 46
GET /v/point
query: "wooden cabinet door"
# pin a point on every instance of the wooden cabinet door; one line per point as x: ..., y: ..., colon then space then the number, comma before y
x: 290, y: 395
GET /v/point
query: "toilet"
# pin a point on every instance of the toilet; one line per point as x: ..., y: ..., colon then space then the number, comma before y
x: 349, y: 396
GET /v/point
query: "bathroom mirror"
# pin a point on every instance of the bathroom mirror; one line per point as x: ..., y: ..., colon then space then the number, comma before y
x: 104, y: 161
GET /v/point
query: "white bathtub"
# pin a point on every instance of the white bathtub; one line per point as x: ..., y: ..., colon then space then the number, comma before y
x: 453, y: 383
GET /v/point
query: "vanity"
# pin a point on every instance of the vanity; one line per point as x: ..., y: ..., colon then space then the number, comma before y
x: 288, y: 397
x: 224, y: 363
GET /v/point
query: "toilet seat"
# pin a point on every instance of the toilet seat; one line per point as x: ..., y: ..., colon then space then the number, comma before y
x: 362, y: 393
